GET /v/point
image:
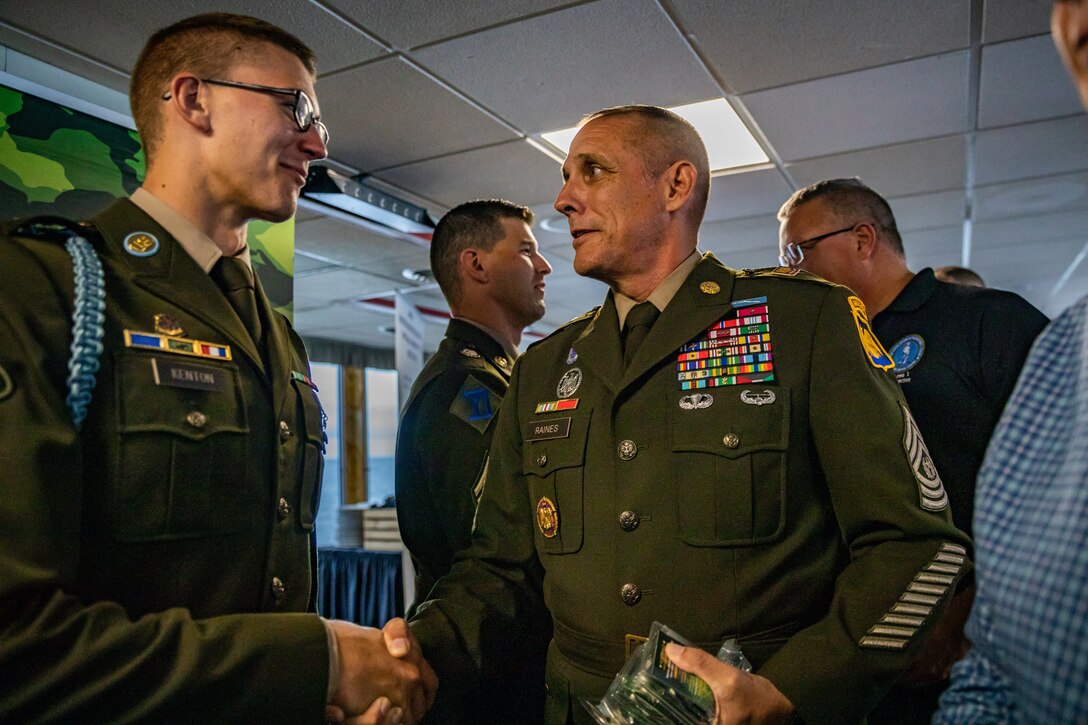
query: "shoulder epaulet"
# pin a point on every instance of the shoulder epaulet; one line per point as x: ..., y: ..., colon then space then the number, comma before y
x: 783, y: 272
x: 580, y: 318
x: 584, y: 316
x: 55, y: 229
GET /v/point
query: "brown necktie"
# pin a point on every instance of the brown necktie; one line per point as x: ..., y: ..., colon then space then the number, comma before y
x: 236, y: 280
x: 635, y: 328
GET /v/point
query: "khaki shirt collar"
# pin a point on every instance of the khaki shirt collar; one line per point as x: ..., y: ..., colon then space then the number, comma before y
x: 196, y: 243
x: 663, y: 294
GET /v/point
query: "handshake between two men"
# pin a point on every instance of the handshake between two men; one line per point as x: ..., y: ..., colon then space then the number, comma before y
x: 380, y: 673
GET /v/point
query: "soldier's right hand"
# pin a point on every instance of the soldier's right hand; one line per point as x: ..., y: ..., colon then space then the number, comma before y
x: 380, y: 663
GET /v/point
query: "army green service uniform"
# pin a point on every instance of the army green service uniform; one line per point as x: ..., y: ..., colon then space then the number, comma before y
x: 442, y: 440
x: 799, y: 514
x: 132, y: 551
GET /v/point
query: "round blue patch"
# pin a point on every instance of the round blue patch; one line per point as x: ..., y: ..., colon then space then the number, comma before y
x: 141, y: 244
x: 907, y: 352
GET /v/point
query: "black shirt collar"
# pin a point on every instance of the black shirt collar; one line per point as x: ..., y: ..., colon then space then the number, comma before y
x: 915, y: 294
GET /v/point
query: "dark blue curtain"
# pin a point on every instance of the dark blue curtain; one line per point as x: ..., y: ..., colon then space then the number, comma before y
x: 365, y: 587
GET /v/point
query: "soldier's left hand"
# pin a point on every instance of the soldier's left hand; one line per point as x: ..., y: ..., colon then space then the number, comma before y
x: 740, y: 697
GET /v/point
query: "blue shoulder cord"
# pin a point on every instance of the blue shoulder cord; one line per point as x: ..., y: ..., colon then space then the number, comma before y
x: 88, y: 318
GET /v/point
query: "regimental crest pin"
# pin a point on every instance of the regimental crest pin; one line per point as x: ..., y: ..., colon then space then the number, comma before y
x: 141, y: 244
x: 547, y: 517
x: 568, y: 384
x: 168, y: 325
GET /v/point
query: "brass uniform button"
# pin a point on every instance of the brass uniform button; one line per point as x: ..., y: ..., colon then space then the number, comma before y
x: 731, y: 440
x: 279, y: 589
x: 630, y: 594
x: 542, y: 460
x: 629, y: 520
x: 285, y: 431
x: 627, y: 450
x: 196, y: 419
x: 283, y: 509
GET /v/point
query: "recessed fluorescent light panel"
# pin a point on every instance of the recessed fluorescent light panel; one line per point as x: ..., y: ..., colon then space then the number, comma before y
x: 728, y: 142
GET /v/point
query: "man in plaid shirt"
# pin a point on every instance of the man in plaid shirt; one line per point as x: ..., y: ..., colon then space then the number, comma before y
x: 1029, y: 624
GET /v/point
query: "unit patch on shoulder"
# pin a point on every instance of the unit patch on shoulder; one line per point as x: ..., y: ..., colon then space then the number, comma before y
x: 7, y: 387
x: 874, y: 351
x: 932, y: 496
x: 475, y: 403
x: 735, y: 350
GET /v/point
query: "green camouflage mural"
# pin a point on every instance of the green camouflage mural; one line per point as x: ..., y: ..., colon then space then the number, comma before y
x: 54, y: 160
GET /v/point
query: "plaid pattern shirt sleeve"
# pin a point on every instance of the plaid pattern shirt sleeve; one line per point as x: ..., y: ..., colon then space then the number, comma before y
x: 1029, y: 624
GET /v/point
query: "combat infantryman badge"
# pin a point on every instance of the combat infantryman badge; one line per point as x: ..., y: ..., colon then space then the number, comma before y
x: 547, y: 518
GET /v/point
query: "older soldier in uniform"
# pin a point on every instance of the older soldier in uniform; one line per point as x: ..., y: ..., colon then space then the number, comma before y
x: 722, y: 451
x: 487, y: 263
x: 157, y: 558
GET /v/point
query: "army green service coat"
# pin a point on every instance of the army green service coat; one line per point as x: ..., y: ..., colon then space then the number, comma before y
x: 800, y: 515
x: 135, y: 554
x: 442, y: 440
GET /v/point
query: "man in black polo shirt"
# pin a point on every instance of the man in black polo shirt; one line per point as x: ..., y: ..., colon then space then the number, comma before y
x: 957, y: 352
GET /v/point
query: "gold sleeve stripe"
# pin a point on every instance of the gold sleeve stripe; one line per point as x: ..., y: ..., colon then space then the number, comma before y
x: 902, y: 620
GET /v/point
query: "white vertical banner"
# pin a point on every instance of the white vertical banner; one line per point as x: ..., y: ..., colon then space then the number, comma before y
x: 407, y: 347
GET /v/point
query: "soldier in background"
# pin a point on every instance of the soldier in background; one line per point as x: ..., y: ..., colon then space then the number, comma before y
x: 490, y: 269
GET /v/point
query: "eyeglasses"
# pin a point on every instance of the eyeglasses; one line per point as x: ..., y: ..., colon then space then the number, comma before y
x: 794, y: 253
x: 303, y: 110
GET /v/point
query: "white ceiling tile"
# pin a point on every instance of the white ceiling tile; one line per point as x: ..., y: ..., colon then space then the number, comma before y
x: 1024, y: 80
x: 348, y: 245
x: 927, y: 211
x: 389, y: 113
x: 1033, y: 197
x: 1008, y: 19
x: 756, y: 44
x: 729, y: 238
x: 410, y: 23
x: 514, y: 171
x: 546, y: 72
x: 1008, y: 235
x: 900, y: 170
x: 933, y: 247
x: 113, y: 31
x: 326, y: 288
x: 733, y: 196
x: 1029, y: 150
x: 918, y: 99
